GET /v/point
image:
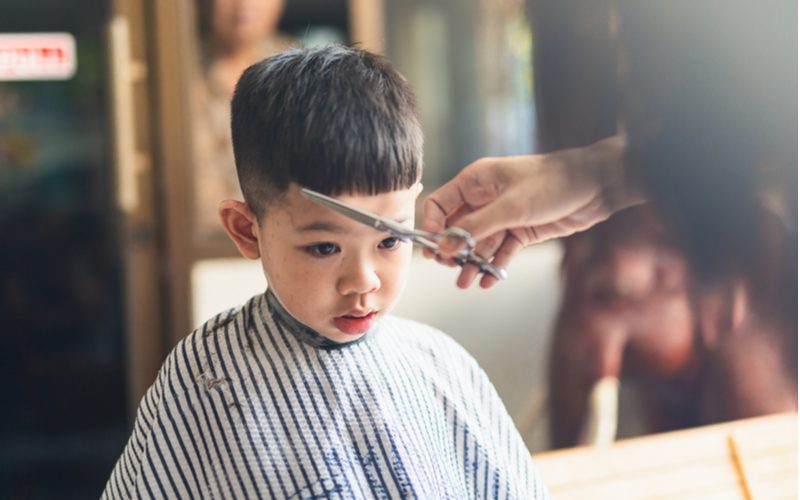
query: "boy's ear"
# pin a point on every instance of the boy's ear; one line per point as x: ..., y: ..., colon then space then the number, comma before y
x: 242, y: 227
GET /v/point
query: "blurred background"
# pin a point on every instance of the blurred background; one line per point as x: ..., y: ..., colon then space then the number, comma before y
x: 114, y: 152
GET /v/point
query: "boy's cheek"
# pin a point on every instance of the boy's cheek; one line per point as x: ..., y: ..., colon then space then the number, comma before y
x: 403, y: 262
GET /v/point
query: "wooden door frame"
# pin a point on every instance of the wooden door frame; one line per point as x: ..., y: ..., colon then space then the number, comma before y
x: 135, y: 197
x: 173, y: 37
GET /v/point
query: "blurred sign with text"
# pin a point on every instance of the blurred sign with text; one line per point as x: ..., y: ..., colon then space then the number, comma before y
x: 37, y: 56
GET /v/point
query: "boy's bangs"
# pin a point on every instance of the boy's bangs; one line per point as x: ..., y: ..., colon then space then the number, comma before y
x: 335, y: 120
x: 364, y: 162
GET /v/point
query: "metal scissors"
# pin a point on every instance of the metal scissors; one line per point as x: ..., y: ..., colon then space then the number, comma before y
x: 424, y: 239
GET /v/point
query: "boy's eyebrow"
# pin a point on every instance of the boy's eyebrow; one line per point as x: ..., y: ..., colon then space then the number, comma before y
x: 322, y: 226
x: 335, y: 228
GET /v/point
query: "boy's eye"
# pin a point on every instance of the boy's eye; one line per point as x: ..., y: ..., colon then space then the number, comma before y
x: 390, y: 243
x: 322, y: 249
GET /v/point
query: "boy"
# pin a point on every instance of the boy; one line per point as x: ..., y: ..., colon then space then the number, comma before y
x: 312, y: 390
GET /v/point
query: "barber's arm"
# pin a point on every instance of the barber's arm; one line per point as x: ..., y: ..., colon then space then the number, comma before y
x: 511, y: 202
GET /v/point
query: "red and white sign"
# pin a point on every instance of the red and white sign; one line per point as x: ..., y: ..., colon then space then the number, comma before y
x: 37, y: 56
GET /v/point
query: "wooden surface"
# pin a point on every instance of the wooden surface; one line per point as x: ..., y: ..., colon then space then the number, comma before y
x: 746, y: 459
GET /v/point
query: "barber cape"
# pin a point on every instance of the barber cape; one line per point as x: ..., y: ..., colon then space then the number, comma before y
x: 256, y: 405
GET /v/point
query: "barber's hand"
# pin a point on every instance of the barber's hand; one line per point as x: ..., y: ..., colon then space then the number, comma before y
x: 512, y: 202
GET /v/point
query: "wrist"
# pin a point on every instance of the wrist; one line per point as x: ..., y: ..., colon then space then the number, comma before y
x: 619, y: 187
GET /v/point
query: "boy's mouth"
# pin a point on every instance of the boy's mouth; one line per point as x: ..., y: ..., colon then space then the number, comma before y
x: 355, y: 323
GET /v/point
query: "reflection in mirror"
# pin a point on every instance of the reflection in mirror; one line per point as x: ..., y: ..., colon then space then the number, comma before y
x: 232, y: 35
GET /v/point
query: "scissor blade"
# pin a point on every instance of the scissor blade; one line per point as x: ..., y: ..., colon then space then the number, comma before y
x: 362, y: 216
x: 422, y: 238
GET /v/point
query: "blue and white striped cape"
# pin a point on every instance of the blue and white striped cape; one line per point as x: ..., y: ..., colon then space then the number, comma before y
x: 255, y: 405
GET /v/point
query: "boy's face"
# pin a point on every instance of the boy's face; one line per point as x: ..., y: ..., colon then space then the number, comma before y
x: 332, y: 273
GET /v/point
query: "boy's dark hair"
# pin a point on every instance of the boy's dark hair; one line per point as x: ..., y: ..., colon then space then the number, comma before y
x: 334, y: 119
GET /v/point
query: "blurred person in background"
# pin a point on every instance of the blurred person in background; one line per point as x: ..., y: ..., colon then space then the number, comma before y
x: 233, y: 35
x: 692, y: 106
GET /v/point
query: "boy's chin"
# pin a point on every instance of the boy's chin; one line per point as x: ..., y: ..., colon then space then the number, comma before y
x: 341, y: 337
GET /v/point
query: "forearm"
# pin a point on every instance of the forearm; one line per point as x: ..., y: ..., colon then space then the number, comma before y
x: 619, y: 187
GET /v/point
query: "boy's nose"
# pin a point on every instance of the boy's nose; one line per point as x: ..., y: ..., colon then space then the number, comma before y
x: 359, y: 276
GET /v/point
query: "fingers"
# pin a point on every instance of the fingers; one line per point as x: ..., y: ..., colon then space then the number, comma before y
x: 471, y: 188
x: 486, y: 248
x: 480, y: 224
x: 442, y: 203
x: 505, y: 212
x: 467, y: 275
x: 445, y: 261
x: 434, y: 218
x: 510, y: 247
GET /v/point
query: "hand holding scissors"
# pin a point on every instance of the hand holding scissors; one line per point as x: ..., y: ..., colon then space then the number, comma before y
x: 424, y: 239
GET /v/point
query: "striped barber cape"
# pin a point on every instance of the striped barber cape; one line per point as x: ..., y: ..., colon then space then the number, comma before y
x: 255, y: 405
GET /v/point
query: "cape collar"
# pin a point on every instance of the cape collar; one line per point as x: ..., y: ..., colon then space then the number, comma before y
x: 303, y: 333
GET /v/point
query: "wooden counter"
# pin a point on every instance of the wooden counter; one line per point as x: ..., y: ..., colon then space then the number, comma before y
x: 750, y: 459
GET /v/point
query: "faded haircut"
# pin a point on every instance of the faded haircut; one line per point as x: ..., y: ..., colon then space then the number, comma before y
x: 335, y: 119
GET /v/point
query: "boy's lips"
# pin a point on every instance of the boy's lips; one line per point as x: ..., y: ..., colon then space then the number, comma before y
x: 355, y: 323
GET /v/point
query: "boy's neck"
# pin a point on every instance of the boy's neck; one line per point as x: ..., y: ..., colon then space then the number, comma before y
x: 302, y: 332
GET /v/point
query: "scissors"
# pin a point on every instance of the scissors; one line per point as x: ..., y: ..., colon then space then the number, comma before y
x: 424, y: 239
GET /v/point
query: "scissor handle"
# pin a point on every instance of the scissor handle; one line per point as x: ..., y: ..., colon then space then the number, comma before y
x: 483, y: 265
x: 467, y: 256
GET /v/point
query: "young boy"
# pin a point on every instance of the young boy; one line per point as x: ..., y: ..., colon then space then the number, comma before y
x: 312, y: 389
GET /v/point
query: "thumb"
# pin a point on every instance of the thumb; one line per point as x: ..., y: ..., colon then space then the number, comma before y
x: 503, y: 213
